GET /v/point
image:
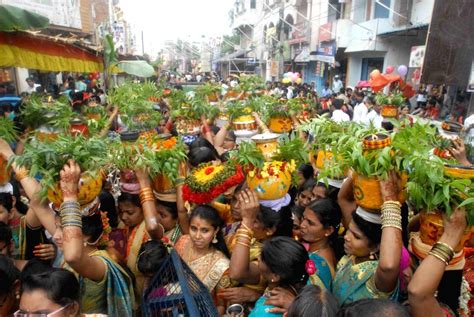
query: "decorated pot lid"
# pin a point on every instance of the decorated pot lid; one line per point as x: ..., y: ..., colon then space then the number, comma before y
x: 376, y: 141
x: 265, y: 137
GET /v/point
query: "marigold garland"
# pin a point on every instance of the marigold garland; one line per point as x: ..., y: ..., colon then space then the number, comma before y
x: 220, y: 178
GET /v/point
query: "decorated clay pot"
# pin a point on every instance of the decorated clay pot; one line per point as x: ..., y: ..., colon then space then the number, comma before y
x: 46, y: 133
x: 245, y: 126
x: 267, y: 144
x: 222, y: 120
x: 445, y: 154
x: 129, y: 136
x: 90, y: 186
x: 163, y: 185
x: 450, y: 130
x: 4, y: 171
x: 324, y: 159
x: 270, y: 187
x: 389, y: 111
x: 376, y: 141
x: 78, y: 127
x: 431, y: 229
x: 459, y: 171
x: 188, y: 126
x: 367, y: 192
x: 280, y: 124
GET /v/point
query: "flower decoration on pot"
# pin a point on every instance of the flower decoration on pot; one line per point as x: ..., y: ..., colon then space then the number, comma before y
x: 46, y: 159
x: 207, y: 181
x: 390, y: 103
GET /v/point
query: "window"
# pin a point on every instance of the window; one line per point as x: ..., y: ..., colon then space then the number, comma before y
x: 334, y: 10
x: 253, y: 4
x: 369, y: 64
x: 381, y: 12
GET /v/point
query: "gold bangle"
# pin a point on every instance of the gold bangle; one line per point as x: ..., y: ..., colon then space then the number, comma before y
x: 246, y: 227
x: 392, y: 202
x: 143, y: 201
x: 438, y: 257
x: 442, y: 244
x: 146, y: 190
x: 244, y: 244
x: 21, y: 174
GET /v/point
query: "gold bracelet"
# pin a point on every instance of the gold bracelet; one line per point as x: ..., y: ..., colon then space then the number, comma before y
x: 244, y: 244
x: 21, y: 174
x: 444, y: 245
x: 246, y: 227
x: 439, y: 257
x: 143, y: 201
x: 146, y: 190
x: 392, y: 202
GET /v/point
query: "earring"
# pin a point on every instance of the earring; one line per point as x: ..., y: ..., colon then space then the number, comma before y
x: 215, y: 239
x: 372, y: 256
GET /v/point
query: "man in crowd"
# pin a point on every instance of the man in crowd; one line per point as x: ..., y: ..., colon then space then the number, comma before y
x: 337, y: 84
x: 338, y: 115
x: 326, y: 92
x: 31, y: 88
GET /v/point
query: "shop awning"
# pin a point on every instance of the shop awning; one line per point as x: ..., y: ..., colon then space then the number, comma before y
x: 232, y: 56
x: 405, y: 31
x: 22, y: 49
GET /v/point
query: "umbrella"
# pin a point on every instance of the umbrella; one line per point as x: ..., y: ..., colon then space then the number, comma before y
x: 137, y: 68
x: 17, y: 19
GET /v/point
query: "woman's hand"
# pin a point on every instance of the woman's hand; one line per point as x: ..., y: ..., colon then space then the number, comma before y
x: 142, y: 177
x: 281, y: 299
x: 69, y: 183
x: 458, y: 150
x: 250, y: 206
x: 390, y: 188
x: 237, y: 295
x: 45, y: 252
x: 454, y: 227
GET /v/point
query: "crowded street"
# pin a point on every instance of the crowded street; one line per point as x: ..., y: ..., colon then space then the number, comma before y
x: 261, y: 158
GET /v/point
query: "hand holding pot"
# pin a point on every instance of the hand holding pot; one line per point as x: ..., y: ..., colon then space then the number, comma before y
x: 454, y: 227
x: 458, y: 150
x: 142, y: 177
x: 390, y: 188
x: 69, y: 183
x: 250, y: 206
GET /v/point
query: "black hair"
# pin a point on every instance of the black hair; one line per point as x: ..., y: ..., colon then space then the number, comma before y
x: 202, y: 154
x: 338, y: 103
x: 371, y: 307
x: 215, y: 129
x: 34, y: 266
x: 92, y: 226
x: 212, y: 216
x: 171, y: 207
x: 297, y: 211
x: 201, y: 142
x: 371, y: 100
x: 9, y: 274
x: 330, y: 215
x: 330, y: 191
x: 280, y: 220
x: 20, y: 206
x: 60, y: 286
x: 313, y: 301
x: 372, y: 231
x: 231, y: 135
x: 5, y: 233
x: 307, y: 170
x: 107, y: 204
x: 6, y: 201
x: 152, y: 255
x: 132, y: 198
x: 307, y: 185
x: 286, y: 258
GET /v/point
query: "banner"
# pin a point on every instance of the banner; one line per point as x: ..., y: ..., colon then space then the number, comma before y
x: 326, y: 52
x: 416, y: 56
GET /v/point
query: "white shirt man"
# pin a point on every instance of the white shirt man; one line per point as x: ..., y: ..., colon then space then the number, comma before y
x: 337, y: 84
x: 374, y: 118
x: 338, y: 115
x: 360, y: 113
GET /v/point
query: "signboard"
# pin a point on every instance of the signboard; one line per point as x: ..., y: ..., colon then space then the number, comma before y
x: 325, y: 32
x: 59, y: 12
x: 416, y: 56
x: 274, y: 69
x: 326, y: 52
x: 450, y: 45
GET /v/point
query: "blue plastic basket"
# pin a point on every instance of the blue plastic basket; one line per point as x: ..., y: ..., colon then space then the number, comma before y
x: 176, y: 291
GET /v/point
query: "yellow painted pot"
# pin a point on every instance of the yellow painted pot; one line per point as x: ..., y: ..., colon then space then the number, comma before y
x: 324, y: 159
x: 267, y: 143
x: 389, y: 111
x: 367, y: 192
x: 458, y: 171
x: 245, y: 123
x: 89, y: 188
x: 270, y: 187
x: 280, y: 124
x: 187, y: 126
x: 4, y: 171
x: 431, y: 229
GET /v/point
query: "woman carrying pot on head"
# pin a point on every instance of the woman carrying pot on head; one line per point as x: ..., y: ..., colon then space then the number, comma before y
x: 319, y: 229
x: 53, y: 293
x: 138, y: 212
x: 258, y: 224
x: 106, y: 287
x: 373, y: 247
x: 205, y: 252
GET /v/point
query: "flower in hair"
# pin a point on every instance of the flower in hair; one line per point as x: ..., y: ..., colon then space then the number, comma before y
x: 310, y: 267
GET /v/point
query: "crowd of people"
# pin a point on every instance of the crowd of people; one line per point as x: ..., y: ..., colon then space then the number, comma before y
x: 312, y: 253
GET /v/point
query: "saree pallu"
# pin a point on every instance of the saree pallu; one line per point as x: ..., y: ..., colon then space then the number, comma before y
x: 323, y: 275
x: 211, y: 269
x: 113, y: 295
x: 357, y: 281
x: 137, y: 237
x: 262, y: 310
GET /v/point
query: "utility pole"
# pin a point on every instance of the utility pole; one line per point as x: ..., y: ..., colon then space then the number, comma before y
x: 143, y: 45
x: 280, y: 30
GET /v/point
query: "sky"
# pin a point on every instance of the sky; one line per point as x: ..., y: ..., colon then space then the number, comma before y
x: 163, y: 20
